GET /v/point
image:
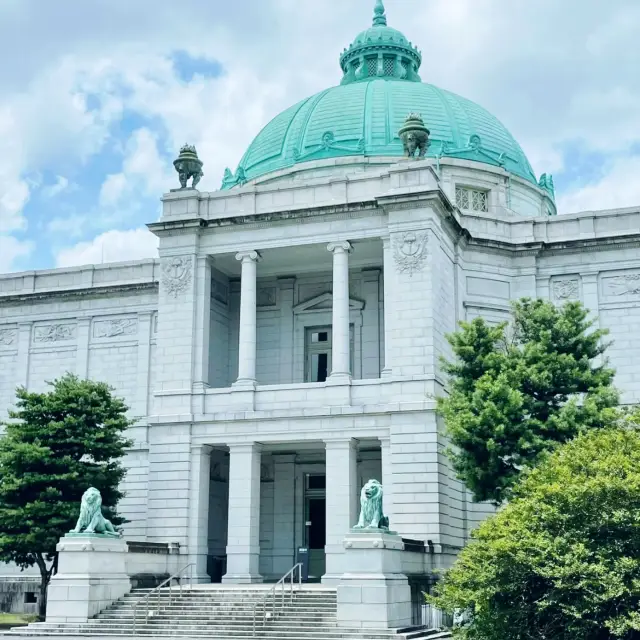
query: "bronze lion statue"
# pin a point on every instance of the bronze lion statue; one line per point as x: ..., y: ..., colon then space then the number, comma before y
x: 91, y: 519
x: 371, y: 514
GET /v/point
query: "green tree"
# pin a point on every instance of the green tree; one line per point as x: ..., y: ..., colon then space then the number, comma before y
x: 519, y: 389
x: 57, y: 444
x: 562, y: 559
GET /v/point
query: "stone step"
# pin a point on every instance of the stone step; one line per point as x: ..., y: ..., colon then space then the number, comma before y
x: 228, y: 634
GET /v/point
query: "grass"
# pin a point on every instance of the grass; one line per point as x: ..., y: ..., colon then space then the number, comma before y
x: 16, y: 619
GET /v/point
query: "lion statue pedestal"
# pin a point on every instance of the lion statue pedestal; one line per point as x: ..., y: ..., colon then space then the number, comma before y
x: 92, y: 572
x: 373, y: 592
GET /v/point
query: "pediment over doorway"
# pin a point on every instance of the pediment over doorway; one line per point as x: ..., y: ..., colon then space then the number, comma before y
x: 324, y: 302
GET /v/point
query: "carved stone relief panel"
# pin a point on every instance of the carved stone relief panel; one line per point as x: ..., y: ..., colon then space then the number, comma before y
x: 177, y: 274
x: 117, y: 328
x: 627, y: 284
x: 565, y: 288
x: 8, y: 337
x: 410, y: 252
x: 54, y: 333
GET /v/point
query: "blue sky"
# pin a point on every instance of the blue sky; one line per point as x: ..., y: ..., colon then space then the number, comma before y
x: 94, y: 109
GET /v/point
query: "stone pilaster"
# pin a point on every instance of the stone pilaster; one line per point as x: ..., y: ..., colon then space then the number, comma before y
x: 82, y: 351
x: 342, y: 501
x: 202, y: 322
x: 243, y: 542
x: 248, y: 319
x: 24, y: 347
x: 284, y: 513
x: 287, y: 289
x: 341, y: 361
x: 387, y: 478
x: 145, y: 321
x: 199, y: 482
x: 388, y: 276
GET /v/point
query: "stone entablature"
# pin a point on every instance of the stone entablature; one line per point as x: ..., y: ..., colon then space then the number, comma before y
x: 102, y: 278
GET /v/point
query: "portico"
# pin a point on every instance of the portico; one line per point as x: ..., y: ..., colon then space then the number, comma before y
x: 255, y: 504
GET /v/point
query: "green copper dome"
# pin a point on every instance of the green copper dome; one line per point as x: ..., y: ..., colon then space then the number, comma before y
x: 363, y: 115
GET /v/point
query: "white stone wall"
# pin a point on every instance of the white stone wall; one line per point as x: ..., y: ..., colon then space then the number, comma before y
x: 94, y: 321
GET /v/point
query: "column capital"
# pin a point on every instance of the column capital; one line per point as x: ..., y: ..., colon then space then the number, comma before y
x: 244, y: 446
x: 248, y: 256
x: 340, y: 247
x: 386, y: 242
x: 341, y: 443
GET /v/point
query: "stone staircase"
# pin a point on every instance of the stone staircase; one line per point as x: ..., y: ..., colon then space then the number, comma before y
x: 226, y: 613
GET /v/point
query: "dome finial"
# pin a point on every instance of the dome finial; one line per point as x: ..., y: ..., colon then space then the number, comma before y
x: 379, y: 17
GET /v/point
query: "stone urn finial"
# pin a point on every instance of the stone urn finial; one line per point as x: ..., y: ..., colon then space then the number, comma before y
x: 414, y: 136
x: 188, y: 165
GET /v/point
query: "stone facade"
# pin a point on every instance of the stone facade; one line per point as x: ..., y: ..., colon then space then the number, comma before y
x: 239, y: 457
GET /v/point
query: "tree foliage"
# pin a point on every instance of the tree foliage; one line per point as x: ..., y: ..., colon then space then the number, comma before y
x: 57, y: 444
x: 519, y: 389
x: 562, y: 559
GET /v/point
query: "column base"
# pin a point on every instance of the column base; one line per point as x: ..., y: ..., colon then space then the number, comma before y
x: 337, y: 379
x: 386, y: 373
x: 245, y: 384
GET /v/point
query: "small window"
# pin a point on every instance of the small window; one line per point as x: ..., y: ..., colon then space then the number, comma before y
x: 472, y: 199
x: 372, y: 66
x: 318, y: 354
x: 389, y: 66
x: 30, y: 598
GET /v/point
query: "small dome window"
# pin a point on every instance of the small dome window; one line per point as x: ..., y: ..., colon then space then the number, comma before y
x: 472, y: 199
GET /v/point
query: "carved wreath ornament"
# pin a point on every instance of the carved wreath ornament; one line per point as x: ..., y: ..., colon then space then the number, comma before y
x: 176, y: 275
x: 410, y: 252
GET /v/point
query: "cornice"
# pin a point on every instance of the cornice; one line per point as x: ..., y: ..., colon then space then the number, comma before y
x: 75, y: 293
x: 264, y: 220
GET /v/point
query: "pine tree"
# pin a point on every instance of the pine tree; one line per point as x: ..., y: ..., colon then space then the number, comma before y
x: 57, y: 444
x: 519, y: 389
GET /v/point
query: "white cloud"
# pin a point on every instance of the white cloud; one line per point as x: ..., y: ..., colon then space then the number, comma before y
x: 618, y: 188
x: 61, y: 185
x: 144, y: 172
x: 111, y: 246
x: 11, y: 249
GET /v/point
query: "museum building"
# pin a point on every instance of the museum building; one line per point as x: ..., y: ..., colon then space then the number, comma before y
x: 285, y: 347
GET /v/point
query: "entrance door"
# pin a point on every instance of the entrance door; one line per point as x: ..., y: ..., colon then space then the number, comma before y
x: 316, y: 524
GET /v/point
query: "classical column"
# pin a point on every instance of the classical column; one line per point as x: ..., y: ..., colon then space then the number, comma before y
x: 341, y: 360
x: 243, y: 539
x: 388, y: 318
x: 248, y: 318
x: 199, y: 481
x: 387, y: 478
x: 342, y: 502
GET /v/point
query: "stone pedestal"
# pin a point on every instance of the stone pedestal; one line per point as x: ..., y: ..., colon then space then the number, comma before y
x: 373, y: 592
x: 91, y: 576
